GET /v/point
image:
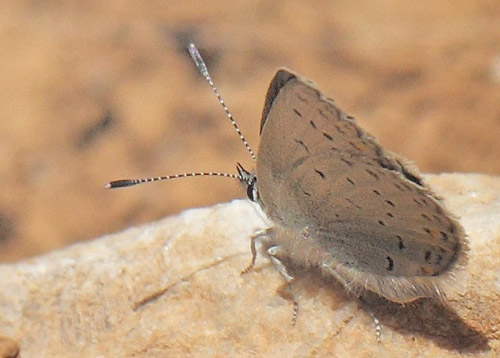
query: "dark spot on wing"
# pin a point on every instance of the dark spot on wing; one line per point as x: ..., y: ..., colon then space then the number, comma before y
x: 349, y: 264
x: 390, y: 203
x: 351, y: 202
x: 426, y: 217
x: 396, y: 184
x: 407, y: 186
x: 321, y: 174
x: 327, y: 136
x: 350, y: 181
x: 340, y: 130
x: 372, y: 173
x: 389, y: 215
x: 306, y: 193
x: 355, y: 146
x: 376, y: 192
x: 348, y: 162
x: 390, y: 263
x: 312, y: 124
x: 401, y: 245
x: 302, y: 144
x: 381, y: 223
x: 322, y: 114
x: 444, y: 236
x: 297, y: 112
x: 428, y: 257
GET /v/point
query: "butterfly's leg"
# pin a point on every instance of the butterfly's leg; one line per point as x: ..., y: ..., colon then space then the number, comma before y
x: 259, y: 235
x: 378, y: 326
x: 273, y: 253
x: 376, y: 321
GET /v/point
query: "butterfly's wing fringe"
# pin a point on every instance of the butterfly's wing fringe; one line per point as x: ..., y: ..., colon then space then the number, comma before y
x: 404, y: 289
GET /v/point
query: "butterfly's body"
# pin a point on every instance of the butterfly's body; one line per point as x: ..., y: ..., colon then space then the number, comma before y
x: 336, y: 200
x: 340, y: 202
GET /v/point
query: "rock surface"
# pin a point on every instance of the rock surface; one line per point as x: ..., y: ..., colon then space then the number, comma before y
x: 173, y: 288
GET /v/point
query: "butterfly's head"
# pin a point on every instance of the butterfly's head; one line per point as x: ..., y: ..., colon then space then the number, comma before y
x: 249, y: 180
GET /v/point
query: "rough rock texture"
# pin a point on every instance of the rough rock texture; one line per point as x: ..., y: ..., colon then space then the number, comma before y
x: 173, y: 288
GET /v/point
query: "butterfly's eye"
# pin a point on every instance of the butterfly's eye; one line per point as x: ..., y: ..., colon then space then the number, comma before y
x: 252, y: 191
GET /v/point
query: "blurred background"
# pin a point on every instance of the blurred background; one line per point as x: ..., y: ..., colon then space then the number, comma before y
x: 92, y: 91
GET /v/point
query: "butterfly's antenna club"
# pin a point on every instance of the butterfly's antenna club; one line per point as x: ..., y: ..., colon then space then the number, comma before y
x: 202, y: 67
x: 122, y: 183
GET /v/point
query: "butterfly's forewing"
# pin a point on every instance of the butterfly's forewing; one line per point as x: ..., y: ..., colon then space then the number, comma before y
x: 371, y: 220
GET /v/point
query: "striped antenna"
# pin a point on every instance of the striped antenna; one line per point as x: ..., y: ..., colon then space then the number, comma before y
x: 202, y: 67
x: 122, y: 183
